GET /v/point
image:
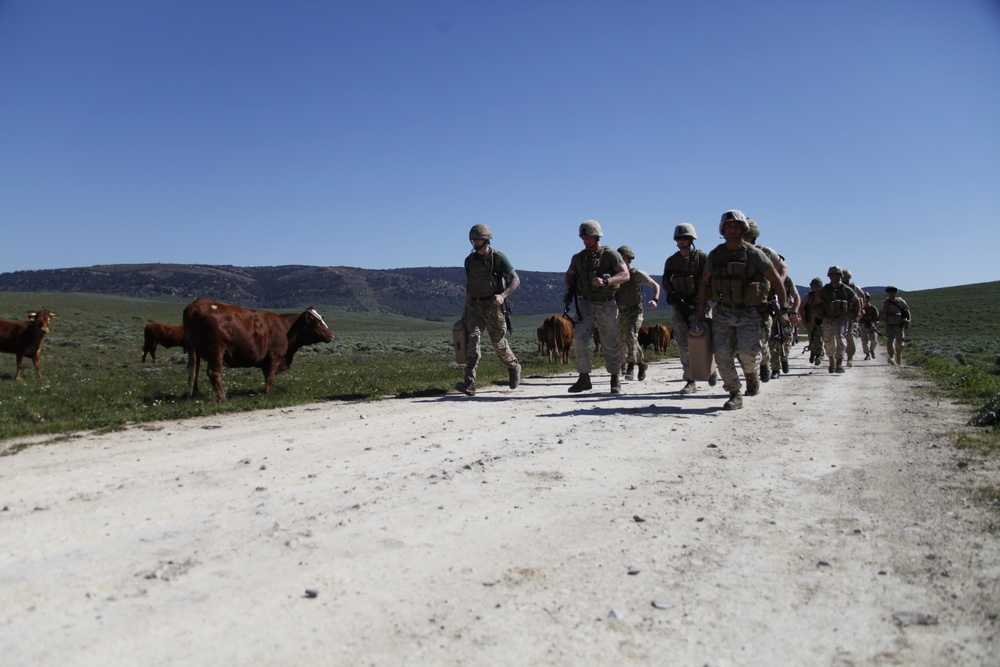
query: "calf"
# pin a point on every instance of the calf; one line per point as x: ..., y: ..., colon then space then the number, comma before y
x: 24, y: 339
x: 155, y: 334
x: 223, y: 334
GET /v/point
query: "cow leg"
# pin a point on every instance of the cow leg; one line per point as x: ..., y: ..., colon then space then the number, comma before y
x: 20, y: 366
x: 193, y: 364
x: 213, y: 368
x: 37, y: 361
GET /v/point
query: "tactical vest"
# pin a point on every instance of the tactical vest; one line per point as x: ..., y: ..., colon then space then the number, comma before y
x: 590, y: 265
x: 840, y: 304
x: 482, y: 277
x: 630, y: 294
x: 894, y: 317
x: 685, y: 271
x: 813, y: 304
x: 730, y: 282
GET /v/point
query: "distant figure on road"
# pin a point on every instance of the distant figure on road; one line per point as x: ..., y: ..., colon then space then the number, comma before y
x: 897, y: 317
x: 629, y: 300
x: 868, y: 322
x: 839, y: 307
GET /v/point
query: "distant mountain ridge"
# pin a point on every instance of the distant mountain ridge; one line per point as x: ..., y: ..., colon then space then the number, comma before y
x: 425, y: 292
x: 433, y: 293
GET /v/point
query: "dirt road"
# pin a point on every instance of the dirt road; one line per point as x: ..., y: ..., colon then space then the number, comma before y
x: 827, y: 523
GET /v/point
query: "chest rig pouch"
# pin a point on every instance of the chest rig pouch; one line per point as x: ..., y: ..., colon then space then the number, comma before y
x: 731, y: 283
x: 482, y: 281
x: 682, y: 270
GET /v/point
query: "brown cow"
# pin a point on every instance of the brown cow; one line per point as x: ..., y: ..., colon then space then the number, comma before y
x: 661, y: 336
x: 155, y: 334
x: 541, y: 340
x: 645, y: 337
x: 558, y: 337
x: 242, y: 338
x: 24, y: 339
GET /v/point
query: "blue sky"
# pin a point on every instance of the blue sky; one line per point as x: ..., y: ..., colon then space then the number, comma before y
x: 374, y: 133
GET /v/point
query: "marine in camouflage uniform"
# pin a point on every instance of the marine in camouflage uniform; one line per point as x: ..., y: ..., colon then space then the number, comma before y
x: 853, y: 329
x: 780, y: 340
x: 595, y: 274
x: 766, y: 319
x: 839, y: 307
x: 868, y: 322
x: 490, y: 280
x: 897, y: 317
x: 630, y: 302
x: 814, y: 324
x: 682, y: 274
x: 736, y: 277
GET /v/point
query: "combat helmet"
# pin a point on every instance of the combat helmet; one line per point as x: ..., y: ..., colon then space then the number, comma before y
x: 816, y: 281
x: 847, y: 274
x: 591, y: 228
x: 480, y: 231
x: 626, y: 252
x: 754, y: 229
x: 685, y: 229
x: 835, y: 271
x: 737, y: 215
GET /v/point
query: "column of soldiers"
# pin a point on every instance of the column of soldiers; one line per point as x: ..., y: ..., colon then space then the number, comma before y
x: 741, y: 287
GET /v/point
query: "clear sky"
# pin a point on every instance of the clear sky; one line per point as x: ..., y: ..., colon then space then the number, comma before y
x: 374, y: 133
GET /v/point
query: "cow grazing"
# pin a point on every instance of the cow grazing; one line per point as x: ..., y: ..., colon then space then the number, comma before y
x: 24, y: 339
x: 155, y: 334
x: 222, y: 334
x: 558, y: 337
x: 661, y: 336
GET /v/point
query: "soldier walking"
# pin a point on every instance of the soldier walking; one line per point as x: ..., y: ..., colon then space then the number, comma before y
x: 682, y: 273
x: 897, y: 317
x: 490, y: 280
x: 839, y: 307
x: 629, y: 298
x: 868, y: 322
x: 595, y: 274
x: 736, y: 277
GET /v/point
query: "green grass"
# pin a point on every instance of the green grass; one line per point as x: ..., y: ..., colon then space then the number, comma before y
x: 93, y: 378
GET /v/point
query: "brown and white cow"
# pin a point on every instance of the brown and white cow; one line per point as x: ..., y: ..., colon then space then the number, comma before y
x: 236, y: 337
x: 558, y: 337
x: 167, y: 335
x: 24, y: 339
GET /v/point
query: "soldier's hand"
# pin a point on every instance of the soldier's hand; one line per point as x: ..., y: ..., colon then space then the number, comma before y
x: 652, y: 304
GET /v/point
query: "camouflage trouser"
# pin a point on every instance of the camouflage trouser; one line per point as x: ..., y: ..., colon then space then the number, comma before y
x: 834, y: 335
x: 604, y: 316
x: 893, y: 339
x: 849, y: 340
x: 816, y: 340
x: 765, y: 339
x: 868, y: 339
x: 629, y: 321
x: 779, y: 349
x: 736, y: 335
x: 680, y: 337
x: 483, y: 314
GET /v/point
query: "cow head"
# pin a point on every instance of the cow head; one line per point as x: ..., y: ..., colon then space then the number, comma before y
x: 310, y: 329
x: 42, y: 317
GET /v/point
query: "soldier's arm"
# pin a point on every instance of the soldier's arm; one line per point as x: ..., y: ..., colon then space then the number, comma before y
x: 655, y: 301
x: 706, y: 278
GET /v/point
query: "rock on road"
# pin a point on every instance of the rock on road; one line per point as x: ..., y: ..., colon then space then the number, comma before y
x: 827, y: 523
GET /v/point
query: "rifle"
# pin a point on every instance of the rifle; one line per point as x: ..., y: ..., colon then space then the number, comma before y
x: 685, y: 306
x: 571, y: 296
x: 506, y: 309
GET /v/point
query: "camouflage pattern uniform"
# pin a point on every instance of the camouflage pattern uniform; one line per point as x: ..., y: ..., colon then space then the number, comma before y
x: 869, y: 318
x: 839, y: 307
x: 681, y: 276
x: 780, y: 346
x: 597, y: 309
x: 629, y: 300
x: 740, y: 289
x: 851, y: 333
x: 895, y: 314
x: 483, y: 274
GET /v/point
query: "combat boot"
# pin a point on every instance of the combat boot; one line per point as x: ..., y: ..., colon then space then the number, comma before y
x: 468, y: 387
x: 753, y: 385
x: 735, y: 401
x: 850, y: 362
x: 616, y: 385
x: 784, y: 366
x: 775, y: 373
x: 899, y: 361
x: 891, y: 362
x: 582, y: 384
x: 689, y: 388
x: 642, y: 370
x: 630, y: 372
x: 840, y: 365
x: 833, y: 365
x: 867, y: 356
x: 765, y: 373
x: 515, y: 375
